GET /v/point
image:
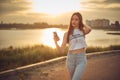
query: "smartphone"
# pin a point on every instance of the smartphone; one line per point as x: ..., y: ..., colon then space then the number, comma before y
x: 55, y: 35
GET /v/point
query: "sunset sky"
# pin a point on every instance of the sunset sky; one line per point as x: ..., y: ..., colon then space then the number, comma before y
x: 57, y: 11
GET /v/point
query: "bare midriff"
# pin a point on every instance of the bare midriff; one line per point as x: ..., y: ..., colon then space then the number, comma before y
x: 78, y: 51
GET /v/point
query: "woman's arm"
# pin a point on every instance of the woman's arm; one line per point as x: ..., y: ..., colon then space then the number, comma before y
x: 61, y: 48
x: 87, y: 29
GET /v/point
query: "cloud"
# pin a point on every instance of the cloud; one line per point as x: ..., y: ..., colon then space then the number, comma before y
x: 111, y: 1
x: 102, y: 1
x: 37, y: 14
x: 16, y: 11
x: 12, y: 6
x: 102, y: 4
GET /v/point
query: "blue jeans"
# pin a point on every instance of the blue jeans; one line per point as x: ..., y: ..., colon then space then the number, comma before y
x: 76, y: 64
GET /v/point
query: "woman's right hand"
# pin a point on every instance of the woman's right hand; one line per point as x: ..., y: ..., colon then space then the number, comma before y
x: 62, y: 47
x: 56, y: 38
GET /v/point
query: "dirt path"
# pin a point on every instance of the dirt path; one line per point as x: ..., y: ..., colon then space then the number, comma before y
x: 98, y: 68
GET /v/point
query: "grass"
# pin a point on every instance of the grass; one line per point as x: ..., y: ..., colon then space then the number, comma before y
x: 15, y: 57
x: 98, y: 49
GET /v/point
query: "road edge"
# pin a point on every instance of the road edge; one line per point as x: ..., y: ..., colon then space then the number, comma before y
x: 53, y: 61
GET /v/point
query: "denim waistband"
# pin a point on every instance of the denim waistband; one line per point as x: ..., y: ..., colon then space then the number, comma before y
x: 83, y: 53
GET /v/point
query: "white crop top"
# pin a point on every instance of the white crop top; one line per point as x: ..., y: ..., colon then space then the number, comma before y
x: 77, y: 40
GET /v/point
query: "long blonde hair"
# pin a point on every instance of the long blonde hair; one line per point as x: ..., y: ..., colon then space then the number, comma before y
x: 81, y: 25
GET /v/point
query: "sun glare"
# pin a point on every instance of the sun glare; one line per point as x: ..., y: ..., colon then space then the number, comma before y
x: 48, y: 37
x: 55, y: 7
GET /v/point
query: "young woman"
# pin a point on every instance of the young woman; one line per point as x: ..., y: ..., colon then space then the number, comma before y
x: 75, y: 37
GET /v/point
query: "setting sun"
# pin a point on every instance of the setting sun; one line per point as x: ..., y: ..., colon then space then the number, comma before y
x: 55, y: 7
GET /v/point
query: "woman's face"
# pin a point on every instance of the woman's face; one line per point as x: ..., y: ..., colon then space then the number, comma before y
x: 75, y: 21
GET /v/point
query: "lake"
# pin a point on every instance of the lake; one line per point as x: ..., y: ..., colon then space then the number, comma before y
x: 30, y: 37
